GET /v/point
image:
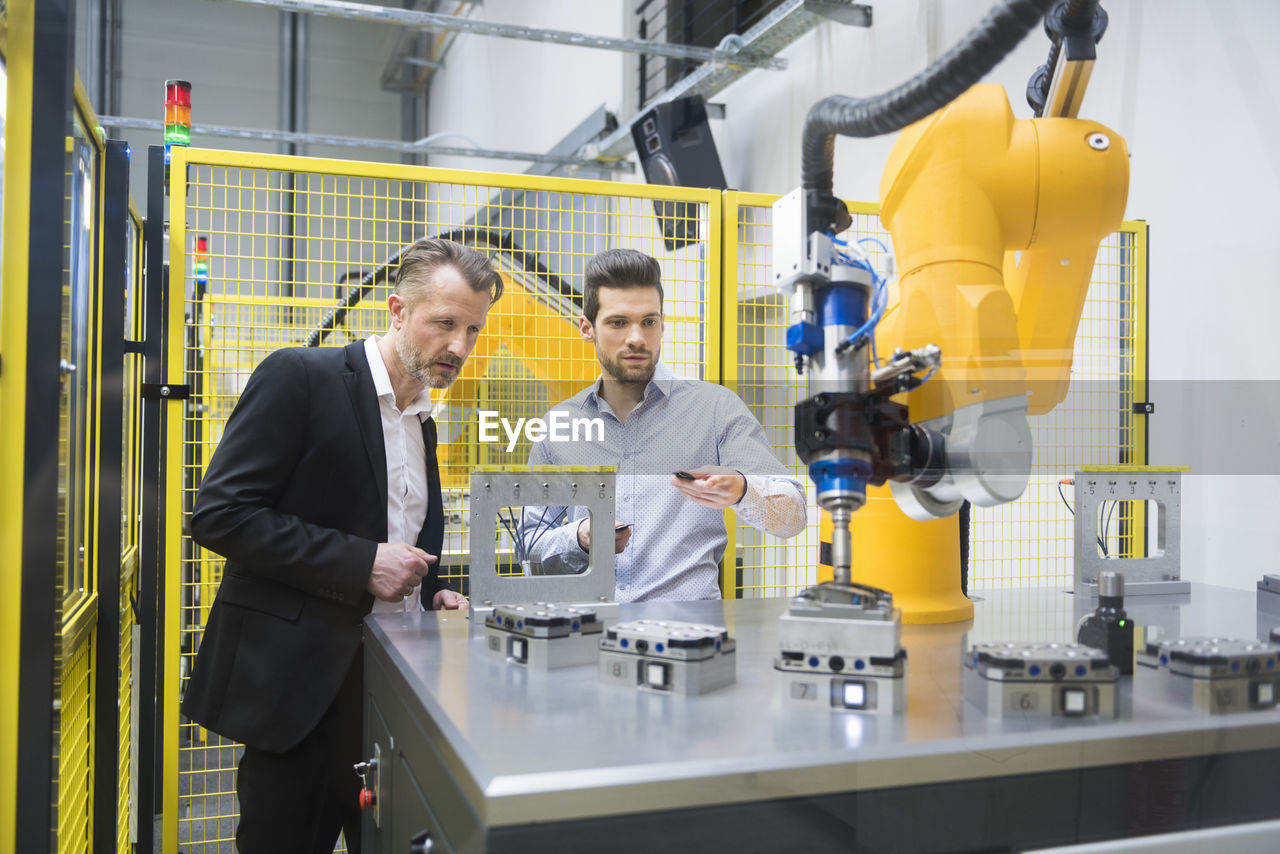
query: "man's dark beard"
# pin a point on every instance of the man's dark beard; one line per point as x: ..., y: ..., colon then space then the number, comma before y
x: 619, y: 372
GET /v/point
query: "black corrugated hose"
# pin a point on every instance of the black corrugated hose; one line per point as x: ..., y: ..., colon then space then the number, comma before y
x: 1070, y: 17
x: 930, y: 90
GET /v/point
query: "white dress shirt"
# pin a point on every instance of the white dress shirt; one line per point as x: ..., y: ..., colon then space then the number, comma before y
x: 406, y: 462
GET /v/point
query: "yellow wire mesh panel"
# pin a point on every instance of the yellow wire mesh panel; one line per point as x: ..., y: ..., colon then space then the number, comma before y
x: 758, y: 368
x: 1028, y: 541
x: 75, y: 753
x: 75, y: 608
x: 303, y: 251
x: 126, y: 740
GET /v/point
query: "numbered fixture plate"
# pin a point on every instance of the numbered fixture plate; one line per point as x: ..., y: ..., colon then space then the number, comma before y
x: 840, y: 649
x: 876, y: 686
x: 1052, y: 680
x: 668, y: 656
x: 542, y: 636
x: 492, y: 490
x: 1142, y: 575
x: 1215, y: 676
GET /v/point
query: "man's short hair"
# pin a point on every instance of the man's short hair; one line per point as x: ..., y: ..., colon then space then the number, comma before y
x: 418, y: 264
x: 618, y: 268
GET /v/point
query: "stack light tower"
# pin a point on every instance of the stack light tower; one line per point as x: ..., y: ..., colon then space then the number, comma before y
x: 200, y: 262
x: 177, y: 114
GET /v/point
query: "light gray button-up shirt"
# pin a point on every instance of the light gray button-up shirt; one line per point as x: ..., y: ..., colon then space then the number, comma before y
x: 675, y: 544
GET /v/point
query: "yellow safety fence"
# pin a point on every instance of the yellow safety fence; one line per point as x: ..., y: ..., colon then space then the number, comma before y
x: 130, y: 530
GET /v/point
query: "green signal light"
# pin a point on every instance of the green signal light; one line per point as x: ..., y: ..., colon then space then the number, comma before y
x: 1120, y: 623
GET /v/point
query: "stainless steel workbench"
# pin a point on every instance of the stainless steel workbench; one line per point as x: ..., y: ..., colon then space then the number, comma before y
x: 487, y: 756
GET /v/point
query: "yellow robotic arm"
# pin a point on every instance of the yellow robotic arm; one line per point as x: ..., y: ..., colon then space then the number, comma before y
x: 996, y: 222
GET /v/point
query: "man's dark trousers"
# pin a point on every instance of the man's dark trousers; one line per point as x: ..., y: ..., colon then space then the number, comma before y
x: 312, y: 786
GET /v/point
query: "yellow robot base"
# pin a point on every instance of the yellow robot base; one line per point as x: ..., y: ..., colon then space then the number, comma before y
x: 918, y: 562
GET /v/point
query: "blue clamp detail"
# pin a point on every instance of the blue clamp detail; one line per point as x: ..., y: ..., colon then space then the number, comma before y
x: 842, y: 474
x: 804, y: 338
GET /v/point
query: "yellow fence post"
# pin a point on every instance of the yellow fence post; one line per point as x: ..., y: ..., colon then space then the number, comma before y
x: 730, y: 587
x: 13, y: 347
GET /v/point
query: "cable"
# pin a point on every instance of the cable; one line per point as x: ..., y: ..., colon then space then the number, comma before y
x: 938, y: 85
x: 517, y: 543
x: 1068, y: 18
x: 1070, y: 509
x: 879, y: 302
x: 1101, y: 543
x: 468, y: 236
x: 1106, y: 524
x: 538, y: 532
x: 878, y: 242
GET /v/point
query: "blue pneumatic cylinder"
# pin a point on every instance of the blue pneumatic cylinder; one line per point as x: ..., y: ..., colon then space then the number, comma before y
x: 839, y: 474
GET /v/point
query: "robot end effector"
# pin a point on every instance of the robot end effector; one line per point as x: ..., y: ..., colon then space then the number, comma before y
x: 848, y: 430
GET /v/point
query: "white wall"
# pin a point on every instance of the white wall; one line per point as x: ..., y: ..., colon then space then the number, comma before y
x: 525, y: 96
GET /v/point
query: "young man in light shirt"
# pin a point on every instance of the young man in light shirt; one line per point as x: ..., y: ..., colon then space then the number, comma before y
x: 685, y: 450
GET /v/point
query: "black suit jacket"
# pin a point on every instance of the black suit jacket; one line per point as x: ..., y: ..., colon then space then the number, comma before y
x: 295, y: 498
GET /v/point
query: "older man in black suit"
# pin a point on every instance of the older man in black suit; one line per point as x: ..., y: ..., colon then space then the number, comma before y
x: 324, y: 497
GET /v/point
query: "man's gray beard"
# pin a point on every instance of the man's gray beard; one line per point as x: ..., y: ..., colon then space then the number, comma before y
x: 418, y: 366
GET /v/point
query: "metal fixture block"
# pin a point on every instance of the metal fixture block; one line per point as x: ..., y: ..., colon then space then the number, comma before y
x: 1045, y: 680
x: 1214, y: 676
x: 668, y: 657
x: 840, y: 648
x: 541, y: 636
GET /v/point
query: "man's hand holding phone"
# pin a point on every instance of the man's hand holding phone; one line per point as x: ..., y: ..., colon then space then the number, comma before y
x: 621, y: 535
x: 711, y: 486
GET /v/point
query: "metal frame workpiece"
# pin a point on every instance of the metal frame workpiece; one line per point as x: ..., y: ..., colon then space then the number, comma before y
x: 494, y: 489
x: 1142, y: 575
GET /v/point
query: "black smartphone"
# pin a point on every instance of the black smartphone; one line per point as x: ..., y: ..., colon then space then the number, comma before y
x: 622, y: 527
x: 684, y: 475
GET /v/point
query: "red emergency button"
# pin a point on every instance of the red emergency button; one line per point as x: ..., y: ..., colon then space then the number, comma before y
x: 367, y: 797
